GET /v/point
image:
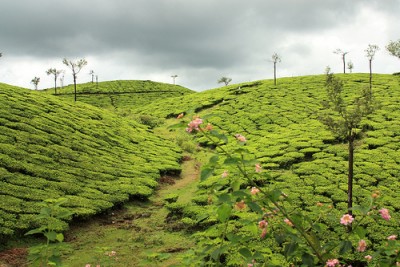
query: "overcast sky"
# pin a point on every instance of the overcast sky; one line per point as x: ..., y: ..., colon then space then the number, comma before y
x: 198, y: 40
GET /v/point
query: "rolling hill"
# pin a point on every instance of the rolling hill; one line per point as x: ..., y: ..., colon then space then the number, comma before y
x: 50, y: 148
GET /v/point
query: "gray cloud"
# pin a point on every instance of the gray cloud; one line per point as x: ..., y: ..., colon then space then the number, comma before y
x: 162, y: 35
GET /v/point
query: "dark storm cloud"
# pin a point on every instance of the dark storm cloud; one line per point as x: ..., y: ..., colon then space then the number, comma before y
x: 193, y: 37
x: 195, y: 33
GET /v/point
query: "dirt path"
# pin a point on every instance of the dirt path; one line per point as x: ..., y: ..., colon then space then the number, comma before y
x: 137, y: 232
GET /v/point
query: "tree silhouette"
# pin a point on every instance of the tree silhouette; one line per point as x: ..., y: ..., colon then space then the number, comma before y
x: 343, y: 54
x: 370, y: 54
x: 344, y: 119
x: 350, y: 66
x: 56, y: 73
x: 35, y: 81
x: 275, y: 58
x: 76, y: 68
x: 225, y: 80
x: 394, y: 48
x: 92, y: 73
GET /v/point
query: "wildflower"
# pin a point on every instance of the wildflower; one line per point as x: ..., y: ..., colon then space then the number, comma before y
x: 397, y: 263
x: 258, y: 167
x: 392, y: 237
x: 194, y: 125
x: 368, y: 257
x: 263, y: 233
x: 254, y: 191
x: 240, y: 138
x: 262, y: 224
x: 385, y: 214
x: 87, y: 265
x: 375, y: 194
x: 362, y: 245
x: 346, y: 219
x: 288, y: 222
x: 332, y: 262
x: 240, y: 205
x: 209, y: 127
x: 112, y: 253
x: 225, y: 174
x: 180, y: 116
x: 319, y: 204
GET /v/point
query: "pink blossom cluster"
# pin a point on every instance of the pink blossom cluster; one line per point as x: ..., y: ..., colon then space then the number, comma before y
x: 263, y: 226
x: 194, y: 125
x: 332, y: 263
x: 346, y: 219
x: 385, y: 214
x: 240, y: 138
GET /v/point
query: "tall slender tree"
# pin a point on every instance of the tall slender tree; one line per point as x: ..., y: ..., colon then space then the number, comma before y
x: 343, y: 55
x: 370, y: 54
x: 75, y: 68
x: 35, y: 81
x: 343, y: 119
x: 56, y: 73
x: 275, y: 59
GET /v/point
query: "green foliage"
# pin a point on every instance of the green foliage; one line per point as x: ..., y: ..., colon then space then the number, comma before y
x: 49, y: 254
x: 93, y: 158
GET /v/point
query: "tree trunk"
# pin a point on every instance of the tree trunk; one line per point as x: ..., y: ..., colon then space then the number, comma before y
x: 75, y: 88
x: 344, y: 63
x: 350, y: 177
x: 370, y: 75
x: 55, y: 84
x: 275, y: 73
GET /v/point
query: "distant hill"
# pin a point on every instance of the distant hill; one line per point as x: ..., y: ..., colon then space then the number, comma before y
x: 51, y: 148
x: 121, y: 94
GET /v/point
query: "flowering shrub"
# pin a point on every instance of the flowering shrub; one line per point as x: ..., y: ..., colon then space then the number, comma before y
x: 283, y: 229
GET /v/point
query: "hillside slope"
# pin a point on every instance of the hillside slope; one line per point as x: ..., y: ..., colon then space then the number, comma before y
x: 285, y: 136
x: 50, y: 149
x: 120, y: 94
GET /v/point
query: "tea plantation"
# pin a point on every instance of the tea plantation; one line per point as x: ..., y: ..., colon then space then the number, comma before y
x: 303, y: 158
x: 121, y: 94
x: 51, y: 148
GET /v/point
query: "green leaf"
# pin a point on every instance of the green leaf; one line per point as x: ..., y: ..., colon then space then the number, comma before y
x: 221, y: 137
x: 223, y: 212
x: 52, y: 236
x: 246, y: 253
x: 36, y: 231
x: 275, y: 194
x: 307, y: 259
x: 232, y: 161
x: 255, y: 207
x: 60, y: 237
x: 345, y: 246
x: 360, y: 231
x: 213, y: 160
x: 224, y: 198
x: 205, y: 173
x: 290, y: 249
x: 236, y: 185
x: 181, y: 124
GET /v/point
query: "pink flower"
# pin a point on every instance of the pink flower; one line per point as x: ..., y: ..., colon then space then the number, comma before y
x: 262, y: 224
x: 392, y: 237
x: 240, y: 138
x: 180, y: 116
x: 263, y: 233
x: 258, y: 167
x: 368, y: 257
x: 225, y: 174
x: 209, y: 127
x: 385, y: 214
x: 362, y: 245
x: 288, y: 222
x: 87, y: 265
x: 332, y: 262
x: 194, y: 125
x: 254, y: 191
x: 240, y: 205
x: 346, y: 219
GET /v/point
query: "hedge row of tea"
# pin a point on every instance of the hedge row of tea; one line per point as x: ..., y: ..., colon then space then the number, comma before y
x: 121, y: 94
x: 304, y: 159
x: 50, y: 149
